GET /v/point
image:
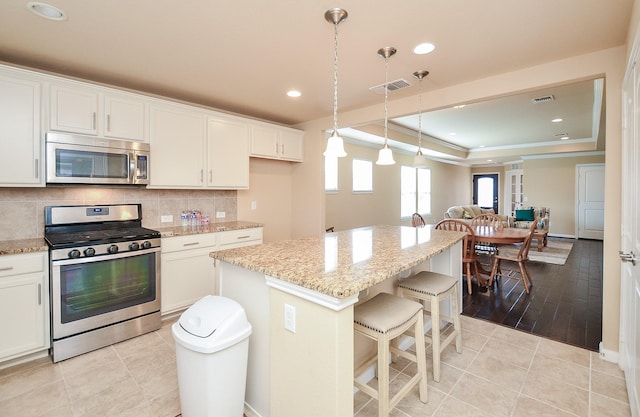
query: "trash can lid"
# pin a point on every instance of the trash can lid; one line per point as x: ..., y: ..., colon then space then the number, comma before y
x: 212, y: 313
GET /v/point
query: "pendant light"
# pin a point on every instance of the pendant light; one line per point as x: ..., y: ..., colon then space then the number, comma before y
x: 335, y: 144
x: 385, y: 156
x: 419, y: 161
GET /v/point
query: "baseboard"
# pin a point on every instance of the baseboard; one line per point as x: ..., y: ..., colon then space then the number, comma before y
x: 608, y: 355
x: 562, y: 235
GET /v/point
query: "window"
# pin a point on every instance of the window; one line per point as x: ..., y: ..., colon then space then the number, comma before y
x: 362, y: 175
x: 415, y: 191
x: 331, y: 174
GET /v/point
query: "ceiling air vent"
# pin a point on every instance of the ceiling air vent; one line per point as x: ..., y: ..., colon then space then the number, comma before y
x: 542, y: 99
x: 391, y: 86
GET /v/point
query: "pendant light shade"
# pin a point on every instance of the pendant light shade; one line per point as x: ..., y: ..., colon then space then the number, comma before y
x: 335, y: 144
x: 419, y: 161
x: 385, y: 156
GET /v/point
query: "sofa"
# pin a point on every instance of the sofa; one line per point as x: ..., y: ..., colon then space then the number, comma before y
x: 466, y: 213
x: 523, y: 218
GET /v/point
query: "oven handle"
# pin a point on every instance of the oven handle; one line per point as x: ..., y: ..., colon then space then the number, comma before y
x: 99, y: 258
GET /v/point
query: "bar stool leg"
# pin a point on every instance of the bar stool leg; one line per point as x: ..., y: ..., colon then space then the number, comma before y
x: 421, y: 358
x: 435, y: 336
x: 383, y: 377
x: 457, y: 327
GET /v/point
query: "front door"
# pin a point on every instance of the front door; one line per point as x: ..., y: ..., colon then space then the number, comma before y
x: 485, y: 191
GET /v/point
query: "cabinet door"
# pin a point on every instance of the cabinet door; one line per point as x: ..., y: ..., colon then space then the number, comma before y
x: 20, y: 158
x: 74, y: 110
x: 291, y: 145
x: 24, y: 304
x: 177, y: 138
x: 124, y: 118
x: 228, y: 154
x: 264, y: 142
x: 187, y: 276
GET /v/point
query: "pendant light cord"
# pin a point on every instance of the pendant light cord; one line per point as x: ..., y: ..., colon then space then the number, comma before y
x: 386, y: 96
x: 335, y: 79
x: 420, y: 118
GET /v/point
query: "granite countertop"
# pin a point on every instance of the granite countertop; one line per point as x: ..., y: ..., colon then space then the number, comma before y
x: 13, y: 247
x: 210, y: 228
x: 344, y: 263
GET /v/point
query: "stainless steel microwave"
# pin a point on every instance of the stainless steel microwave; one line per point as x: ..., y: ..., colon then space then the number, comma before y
x: 76, y: 159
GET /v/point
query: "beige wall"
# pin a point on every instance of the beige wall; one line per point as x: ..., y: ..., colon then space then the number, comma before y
x: 347, y: 210
x: 270, y: 188
x: 308, y: 189
x: 552, y: 183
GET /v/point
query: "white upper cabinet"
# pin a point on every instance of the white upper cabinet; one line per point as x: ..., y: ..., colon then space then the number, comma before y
x: 194, y: 148
x: 96, y: 111
x: 20, y: 145
x: 227, y: 153
x: 125, y: 117
x: 275, y: 142
x: 177, y: 139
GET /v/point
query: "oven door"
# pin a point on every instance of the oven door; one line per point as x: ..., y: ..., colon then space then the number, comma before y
x: 89, y: 293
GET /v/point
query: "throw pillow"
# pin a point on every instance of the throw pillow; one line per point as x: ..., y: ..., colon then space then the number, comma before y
x: 467, y: 215
x: 524, y: 215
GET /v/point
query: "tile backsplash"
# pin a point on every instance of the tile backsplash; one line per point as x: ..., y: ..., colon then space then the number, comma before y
x: 22, y: 209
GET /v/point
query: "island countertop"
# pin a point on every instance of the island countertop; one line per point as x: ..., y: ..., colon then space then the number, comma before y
x: 343, y: 263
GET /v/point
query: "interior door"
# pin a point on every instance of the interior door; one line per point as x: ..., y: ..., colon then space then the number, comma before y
x: 485, y: 191
x: 630, y: 244
x: 590, y: 201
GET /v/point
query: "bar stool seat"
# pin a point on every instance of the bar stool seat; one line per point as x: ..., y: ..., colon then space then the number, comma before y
x: 383, y: 318
x: 432, y: 287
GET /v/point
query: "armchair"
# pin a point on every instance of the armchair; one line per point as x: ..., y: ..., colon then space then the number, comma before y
x: 524, y: 218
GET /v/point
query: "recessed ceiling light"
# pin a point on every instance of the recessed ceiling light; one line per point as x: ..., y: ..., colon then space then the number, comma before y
x: 46, y: 10
x: 459, y: 106
x: 424, y: 48
x: 294, y: 93
x: 452, y: 133
x: 558, y: 120
x: 481, y: 146
x: 564, y: 138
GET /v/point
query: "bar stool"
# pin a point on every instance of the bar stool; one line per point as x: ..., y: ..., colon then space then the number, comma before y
x: 383, y: 318
x: 433, y: 287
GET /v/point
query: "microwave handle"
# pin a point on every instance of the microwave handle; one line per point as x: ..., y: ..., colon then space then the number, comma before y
x: 132, y: 167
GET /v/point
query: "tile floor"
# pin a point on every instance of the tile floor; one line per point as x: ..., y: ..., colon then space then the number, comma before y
x: 501, y: 372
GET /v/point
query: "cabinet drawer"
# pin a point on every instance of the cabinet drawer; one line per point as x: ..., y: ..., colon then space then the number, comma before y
x: 236, y: 238
x: 180, y: 243
x: 23, y: 263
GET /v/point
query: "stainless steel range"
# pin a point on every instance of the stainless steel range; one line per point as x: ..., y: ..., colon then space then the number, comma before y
x: 105, y: 276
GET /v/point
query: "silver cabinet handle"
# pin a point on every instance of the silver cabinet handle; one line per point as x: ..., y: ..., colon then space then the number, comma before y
x: 191, y: 244
x: 243, y: 237
x: 282, y: 149
x: 93, y: 122
x: 39, y: 294
x: 6, y: 268
x: 37, y: 168
x: 108, y: 122
x: 210, y: 175
x: 201, y: 175
x: 627, y: 257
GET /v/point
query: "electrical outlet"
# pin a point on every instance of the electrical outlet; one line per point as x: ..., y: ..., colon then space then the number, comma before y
x: 220, y: 214
x: 290, y: 318
x: 254, y: 205
x: 168, y: 218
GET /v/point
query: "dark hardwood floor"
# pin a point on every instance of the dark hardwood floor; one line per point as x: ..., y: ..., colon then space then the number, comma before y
x: 564, y: 304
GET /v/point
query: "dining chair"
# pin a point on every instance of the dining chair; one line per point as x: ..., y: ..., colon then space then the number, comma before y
x: 468, y: 247
x: 417, y: 220
x: 488, y: 220
x: 520, y: 255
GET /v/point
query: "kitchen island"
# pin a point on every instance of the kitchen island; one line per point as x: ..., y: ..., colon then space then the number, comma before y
x: 299, y: 297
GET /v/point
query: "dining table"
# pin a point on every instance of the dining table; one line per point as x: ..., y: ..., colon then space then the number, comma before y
x: 488, y: 234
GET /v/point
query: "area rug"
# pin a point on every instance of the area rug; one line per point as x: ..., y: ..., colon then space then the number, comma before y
x: 556, y: 252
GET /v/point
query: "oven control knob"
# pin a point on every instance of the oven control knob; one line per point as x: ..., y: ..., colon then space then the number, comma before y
x: 89, y: 252
x: 134, y: 246
x: 74, y: 253
x: 112, y: 249
x: 146, y: 244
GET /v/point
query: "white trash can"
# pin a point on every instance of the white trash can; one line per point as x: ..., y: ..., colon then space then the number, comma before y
x: 212, y: 345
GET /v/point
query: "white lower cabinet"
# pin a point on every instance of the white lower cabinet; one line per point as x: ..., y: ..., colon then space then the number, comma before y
x: 187, y: 272
x: 24, y: 304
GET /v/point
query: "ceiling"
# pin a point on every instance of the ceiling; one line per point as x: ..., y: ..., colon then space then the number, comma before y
x: 243, y: 57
